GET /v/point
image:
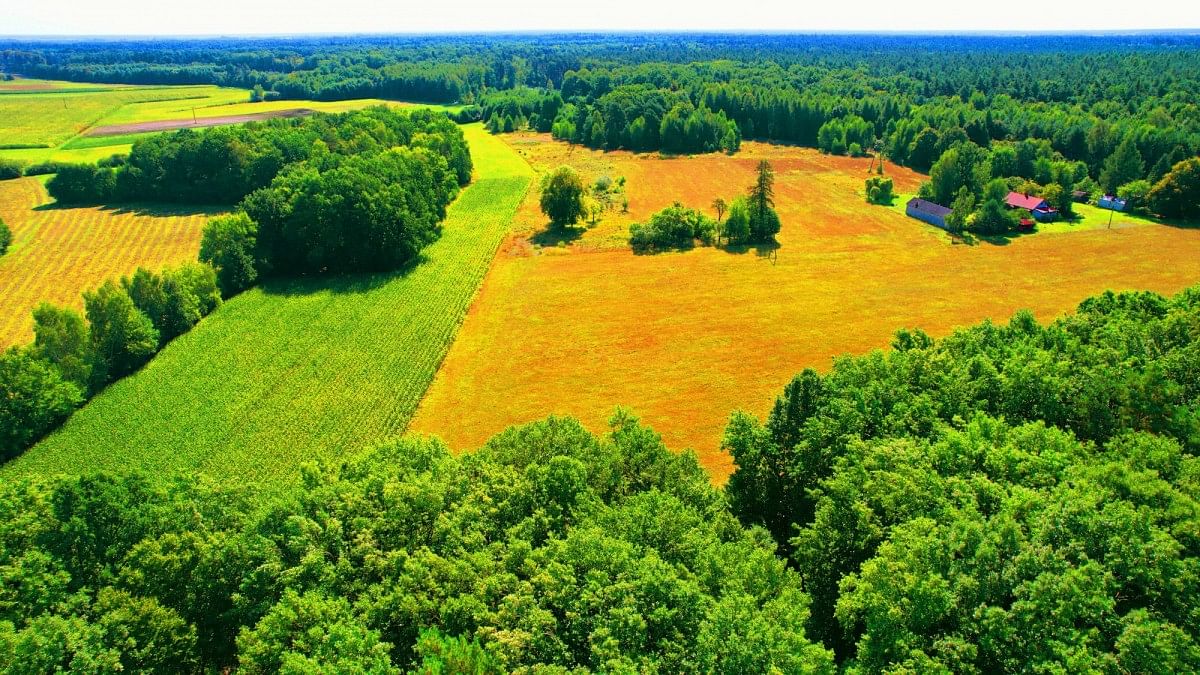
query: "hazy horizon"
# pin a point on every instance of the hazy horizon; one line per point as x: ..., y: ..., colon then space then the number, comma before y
x: 296, y: 18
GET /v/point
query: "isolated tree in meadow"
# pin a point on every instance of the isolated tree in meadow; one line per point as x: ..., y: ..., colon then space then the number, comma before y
x: 5, y: 237
x: 764, y: 221
x: 562, y: 197
x: 1122, y: 166
x: 880, y: 190
x: 1177, y: 195
x: 123, y: 338
x: 720, y: 207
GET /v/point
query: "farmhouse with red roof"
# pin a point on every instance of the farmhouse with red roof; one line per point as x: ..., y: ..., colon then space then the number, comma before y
x: 1039, y: 208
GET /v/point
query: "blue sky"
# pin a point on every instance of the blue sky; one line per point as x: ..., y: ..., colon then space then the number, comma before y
x: 211, y: 17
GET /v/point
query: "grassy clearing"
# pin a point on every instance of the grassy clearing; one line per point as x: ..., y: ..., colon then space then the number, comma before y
x: 43, y: 120
x: 685, y: 338
x: 301, y: 370
x: 53, y: 118
x: 59, y: 253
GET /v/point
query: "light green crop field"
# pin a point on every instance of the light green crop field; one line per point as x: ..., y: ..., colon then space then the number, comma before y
x: 46, y: 120
x: 50, y: 118
x: 301, y: 370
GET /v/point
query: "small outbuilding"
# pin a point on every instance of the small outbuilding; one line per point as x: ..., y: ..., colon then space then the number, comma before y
x: 1080, y: 196
x: 1037, y: 207
x: 1026, y: 225
x: 1112, y: 202
x: 934, y: 214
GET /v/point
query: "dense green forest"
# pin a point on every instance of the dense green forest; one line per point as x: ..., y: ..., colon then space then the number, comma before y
x: 1010, y: 498
x: 547, y: 546
x: 1072, y: 98
x: 948, y: 500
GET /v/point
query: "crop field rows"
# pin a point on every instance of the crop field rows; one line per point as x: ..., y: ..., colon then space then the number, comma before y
x: 57, y: 253
x: 301, y: 370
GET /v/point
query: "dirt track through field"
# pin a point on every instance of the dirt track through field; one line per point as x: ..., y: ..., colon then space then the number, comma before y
x: 170, y: 125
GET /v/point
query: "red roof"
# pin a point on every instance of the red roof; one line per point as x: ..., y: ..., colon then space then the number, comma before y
x: 1020, y: 201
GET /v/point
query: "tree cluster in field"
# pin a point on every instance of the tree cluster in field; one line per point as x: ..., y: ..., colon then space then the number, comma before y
x: 880, y: 190
x: 362, y: 191
x: 950, y: 500
x: 936, y: 506
x: 222, y: 165
x: 748, y: 219
x: 548, y: 549
x: 675, y: 227
x: 70, y: 359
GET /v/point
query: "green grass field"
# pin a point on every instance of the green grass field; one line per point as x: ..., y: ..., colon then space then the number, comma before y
x: 299, y: 370
x: 45, y: 120
x: 51, y: 118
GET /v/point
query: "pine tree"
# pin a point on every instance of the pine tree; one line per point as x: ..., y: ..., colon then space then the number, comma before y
x: 1122, y: 166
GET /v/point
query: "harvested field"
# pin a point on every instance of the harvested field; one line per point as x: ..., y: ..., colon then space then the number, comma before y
x: 685, y: 338
x: 194, y: 123
x: 58, y: 253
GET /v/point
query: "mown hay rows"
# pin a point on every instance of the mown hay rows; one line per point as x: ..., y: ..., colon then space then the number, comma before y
x: 299, y: 370
x: 59, y: 253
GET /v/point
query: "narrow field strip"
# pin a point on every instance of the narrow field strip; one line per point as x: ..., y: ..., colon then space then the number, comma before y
x: 299, y: 370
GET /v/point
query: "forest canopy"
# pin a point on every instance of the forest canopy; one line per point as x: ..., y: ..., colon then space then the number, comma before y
x: 947, y: 500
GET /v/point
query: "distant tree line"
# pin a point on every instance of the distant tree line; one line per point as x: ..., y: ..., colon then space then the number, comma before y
x: 914, y: 96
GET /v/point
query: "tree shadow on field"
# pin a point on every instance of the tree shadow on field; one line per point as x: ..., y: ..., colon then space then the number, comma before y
x: 762, y: 249
x: 335, y: 282
x: 553, y: 236
x: 157, y: 210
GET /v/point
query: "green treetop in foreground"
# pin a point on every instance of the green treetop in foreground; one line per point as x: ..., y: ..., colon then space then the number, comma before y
x: 548, y: 546
x: 1011, y: 498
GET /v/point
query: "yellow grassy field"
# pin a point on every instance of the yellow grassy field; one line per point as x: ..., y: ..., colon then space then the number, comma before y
x: 685, y: 338
x: 59, y: 253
